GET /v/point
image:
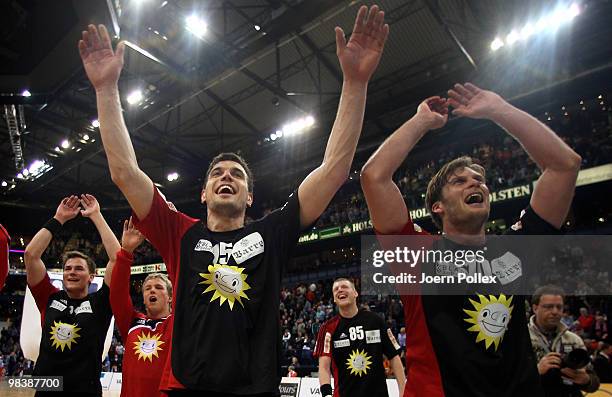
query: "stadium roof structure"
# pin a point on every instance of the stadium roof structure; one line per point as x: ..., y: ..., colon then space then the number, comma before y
x: 260, y: 64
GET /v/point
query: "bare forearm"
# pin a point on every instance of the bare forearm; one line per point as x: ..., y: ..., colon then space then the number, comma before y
x: 38, y: 244
x: 324, y: 376
x: 546, y: 149
x: 398, y: 372
x: 109, y: 240
x: 115, y: 136
x: 392, y: 153
x: 347, y: 127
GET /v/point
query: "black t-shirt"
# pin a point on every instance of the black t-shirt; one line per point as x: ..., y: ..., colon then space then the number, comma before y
x: 476, y: 344
x: 73, y: 334
x: 226, y: 323
x: 356, y: 346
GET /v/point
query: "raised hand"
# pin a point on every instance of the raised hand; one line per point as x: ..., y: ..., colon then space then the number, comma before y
x: 91, y: 207
x: 68, y: 209
x: 360, y: 56
x: 102, y: 65
x: 433, y: 112
x: 471, y: 101
x: 131, y: 237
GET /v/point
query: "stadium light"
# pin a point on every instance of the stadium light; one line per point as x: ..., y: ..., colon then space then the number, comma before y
x: 4, y: 184
x: 551, y: 22
x: 172, y: 176
x: 65, y: 143
x: 196, y: 25
x: 298, y: 125
x: 95, y: 123
x: 26, y: 93
x: 134, y: 97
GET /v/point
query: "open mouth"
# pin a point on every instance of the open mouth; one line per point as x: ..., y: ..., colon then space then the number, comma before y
x: 225, y: 189
x: 152, y: 299
x: 475, y: 198
x: 342, y: 296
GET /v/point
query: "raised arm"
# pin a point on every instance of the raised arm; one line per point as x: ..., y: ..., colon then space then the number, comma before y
x: 358, y: 60
x: 554, y: 190
x: 385, y: 202
x: 91, y: 210
x: 103, y: 67
x: 35, y: 268
x: 121, y: 301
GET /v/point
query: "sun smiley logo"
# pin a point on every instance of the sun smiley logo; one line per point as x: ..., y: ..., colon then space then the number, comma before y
x: 64, y: 335
x: 147, y: 346
x: 227, y: 282
x: 490, y: 319
x: 359, y: 362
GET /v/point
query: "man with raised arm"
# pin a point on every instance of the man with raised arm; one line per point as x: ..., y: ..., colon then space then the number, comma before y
x: 74, y: 321
x: 146, y: 336
x: 226, y: 274
x: 470, y: 345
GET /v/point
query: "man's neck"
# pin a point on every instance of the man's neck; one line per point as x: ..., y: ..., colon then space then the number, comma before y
x: 465, y: 234
x: 547, y: 331
x: 157, y: 316
x: 348, y: 312
x: 219, y: 223
x: 78, y: 294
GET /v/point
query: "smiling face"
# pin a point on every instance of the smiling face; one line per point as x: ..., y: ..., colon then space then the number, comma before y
x: 464, y: 201
x: 76, y: 276
x: 226, y: 191
x: 227, y: 280
x: 344, y: 293
x: 493, y: 319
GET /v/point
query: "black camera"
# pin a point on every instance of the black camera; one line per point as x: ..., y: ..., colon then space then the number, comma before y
x: 576, y: 359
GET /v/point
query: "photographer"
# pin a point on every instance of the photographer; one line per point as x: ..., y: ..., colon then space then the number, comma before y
x: 563, y: 362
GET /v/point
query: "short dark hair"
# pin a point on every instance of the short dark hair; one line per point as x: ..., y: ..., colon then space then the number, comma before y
x: 547, y: 290
x: 91, y: 265
x: 235, y: 158
x: 440, y: 179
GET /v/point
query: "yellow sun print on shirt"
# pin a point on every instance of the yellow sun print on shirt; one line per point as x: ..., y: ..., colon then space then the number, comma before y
x: 490, y: 319
x: 64, y: 334
x: 228, y: 282
x: 359, y: 362
x: 148, y: 346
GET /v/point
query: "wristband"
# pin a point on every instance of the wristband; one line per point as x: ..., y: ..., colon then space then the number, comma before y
x: 53, y: 225
x: 326, y: 390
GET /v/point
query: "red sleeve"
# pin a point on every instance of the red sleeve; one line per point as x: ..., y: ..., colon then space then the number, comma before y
x: 323, y: 345
x: 41, y: 293
x: 120, y: 299
x: 164, y: 227
x: 4, y: 255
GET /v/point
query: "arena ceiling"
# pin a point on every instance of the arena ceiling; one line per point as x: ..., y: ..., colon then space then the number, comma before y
x: 231, y: 89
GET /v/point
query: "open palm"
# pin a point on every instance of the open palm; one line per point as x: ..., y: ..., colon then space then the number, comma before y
x: 102, y: 65
x: 471, y: 101
x: 361, y: 55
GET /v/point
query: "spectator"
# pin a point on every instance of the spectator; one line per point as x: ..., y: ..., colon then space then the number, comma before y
x: 603, y: 363
x: 551, y: 341
x: 586, y: 322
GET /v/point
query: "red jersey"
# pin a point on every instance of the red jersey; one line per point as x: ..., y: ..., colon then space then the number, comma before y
x: 146, y: 341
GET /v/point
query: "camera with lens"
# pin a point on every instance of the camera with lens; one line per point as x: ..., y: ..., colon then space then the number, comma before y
x: 576, y: 359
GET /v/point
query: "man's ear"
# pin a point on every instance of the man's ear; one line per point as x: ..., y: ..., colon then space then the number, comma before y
x: 249, y: 199
x: 203, y: 196
x: 437, y: 208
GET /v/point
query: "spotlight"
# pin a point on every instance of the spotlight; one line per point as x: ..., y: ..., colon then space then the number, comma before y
x: 134, y: 97
x: 527, y: 31
x: 26, y: 93
x: 601, y: 220
x: 172, y: 176
x: 279, y: 133
x: 196, y: 25
x: 25, y: 172
x: 257, y: 27
x: 65, y: 143
x: 512, y: 37
x: 57, y: 149
x: 273, y: 136
x: 4, y: 184
x: 85, y: 137
x: 95, y: 123
x: 497, y: 44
